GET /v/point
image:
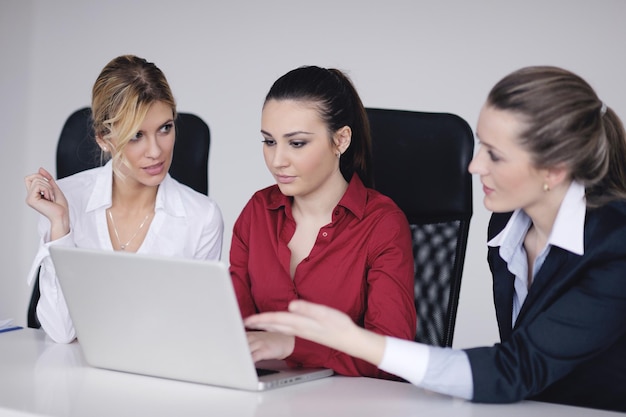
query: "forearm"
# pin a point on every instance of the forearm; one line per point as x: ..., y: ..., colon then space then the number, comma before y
x: 343, y: 361
x: 52, y: 310
x: 363, y: 344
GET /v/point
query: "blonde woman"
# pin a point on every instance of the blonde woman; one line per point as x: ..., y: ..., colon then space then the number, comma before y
x: 130, y: 204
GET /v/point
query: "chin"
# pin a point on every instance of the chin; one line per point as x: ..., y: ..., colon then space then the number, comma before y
x: 286, y: 190
x: 154, y: 180
x: 497, y: 208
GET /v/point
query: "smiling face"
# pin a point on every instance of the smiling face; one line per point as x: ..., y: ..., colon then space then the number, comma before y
x: 148, y: 154
x: 510, y: 180
x: 297, y: 148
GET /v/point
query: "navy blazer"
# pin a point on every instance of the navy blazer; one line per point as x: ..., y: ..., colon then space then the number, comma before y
x: 568, y: 344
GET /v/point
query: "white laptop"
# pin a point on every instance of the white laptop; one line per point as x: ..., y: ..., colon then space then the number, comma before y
x: 165, y: 317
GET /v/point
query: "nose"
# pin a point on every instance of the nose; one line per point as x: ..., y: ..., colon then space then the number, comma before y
x: 278, y: 156
x: 154, y: 148
x: 476, y: 165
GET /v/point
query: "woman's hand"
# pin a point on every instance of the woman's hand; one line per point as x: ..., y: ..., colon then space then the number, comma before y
x: 268, y: 345
x: 323, y: 325
x: 44, y: 195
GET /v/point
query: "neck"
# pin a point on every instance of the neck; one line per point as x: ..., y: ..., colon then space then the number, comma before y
x: 323, y: 201
x: 132, y: 198
x: 543, y: 213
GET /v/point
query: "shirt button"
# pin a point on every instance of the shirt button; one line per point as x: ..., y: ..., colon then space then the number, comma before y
x: 324, y: 234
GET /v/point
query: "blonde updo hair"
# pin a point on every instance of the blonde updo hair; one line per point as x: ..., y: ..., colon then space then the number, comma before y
x: 122, y: 94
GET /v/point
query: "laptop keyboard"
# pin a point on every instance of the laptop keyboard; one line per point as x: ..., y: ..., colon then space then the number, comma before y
x: 262, y: 372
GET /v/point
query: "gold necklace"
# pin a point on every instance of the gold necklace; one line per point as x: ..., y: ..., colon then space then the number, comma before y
x: 117, y: 236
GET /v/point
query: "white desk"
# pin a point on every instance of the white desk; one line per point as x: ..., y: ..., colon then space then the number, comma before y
x: 40, y: 377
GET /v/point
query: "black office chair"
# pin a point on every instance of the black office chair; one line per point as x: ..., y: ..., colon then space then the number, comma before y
x: 420, y: 160
x: 77, y: 151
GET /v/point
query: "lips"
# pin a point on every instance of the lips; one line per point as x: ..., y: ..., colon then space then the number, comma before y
x: 487, y: 190
x: 284, y: 179
x: 155, y: 169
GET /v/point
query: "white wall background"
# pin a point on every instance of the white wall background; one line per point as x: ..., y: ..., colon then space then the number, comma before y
x: 222, y: 57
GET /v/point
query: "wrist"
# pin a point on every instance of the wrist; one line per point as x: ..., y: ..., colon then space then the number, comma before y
x: 365, y: 344
x: 59, y: 229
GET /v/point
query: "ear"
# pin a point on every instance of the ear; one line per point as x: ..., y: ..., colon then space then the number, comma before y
x: 103, y: 144
x: 342, y: 138
x: 556, y: 175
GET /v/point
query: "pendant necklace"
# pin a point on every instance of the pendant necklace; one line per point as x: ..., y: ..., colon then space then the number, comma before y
x: 117, y: 236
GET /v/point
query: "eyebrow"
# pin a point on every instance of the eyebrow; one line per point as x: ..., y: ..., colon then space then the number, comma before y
x: 159, y: 126
x: 481, y: 142
x: 288, y: 135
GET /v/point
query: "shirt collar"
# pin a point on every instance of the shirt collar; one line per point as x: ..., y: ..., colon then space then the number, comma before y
x: 567, y: 232
x: 354, y: 199
x: 168, y: 196
x: 101, y: 192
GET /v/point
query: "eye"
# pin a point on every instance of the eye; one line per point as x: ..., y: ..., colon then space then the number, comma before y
x: 297, y: 143
x: 167, y: 127
x: 269, y: 142
x: 137, y: 136
x: 493, y: 156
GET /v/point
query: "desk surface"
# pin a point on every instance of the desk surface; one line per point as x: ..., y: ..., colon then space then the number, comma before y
x: 40, y: 377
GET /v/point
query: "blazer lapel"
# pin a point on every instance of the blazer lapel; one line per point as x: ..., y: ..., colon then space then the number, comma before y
x: 503, y: 293
x: 549, y: 279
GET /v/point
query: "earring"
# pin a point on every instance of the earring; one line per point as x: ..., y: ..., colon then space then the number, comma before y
x: 104, y: 148
x: 338, y: 154
x: 546, y: 187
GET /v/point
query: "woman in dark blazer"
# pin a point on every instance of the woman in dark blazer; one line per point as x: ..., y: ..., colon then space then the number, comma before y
x: 552, y: 162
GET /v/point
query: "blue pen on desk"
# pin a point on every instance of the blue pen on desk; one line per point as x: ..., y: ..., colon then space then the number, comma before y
x: 8, y: 329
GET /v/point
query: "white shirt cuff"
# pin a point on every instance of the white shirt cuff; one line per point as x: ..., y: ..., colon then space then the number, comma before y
x: 406, y: 359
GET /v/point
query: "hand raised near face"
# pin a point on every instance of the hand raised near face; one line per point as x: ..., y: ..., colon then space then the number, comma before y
x: 44, y: 195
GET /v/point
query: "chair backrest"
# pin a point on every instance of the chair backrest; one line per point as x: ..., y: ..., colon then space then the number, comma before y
x: 77, y: 151
x: 420, y: 160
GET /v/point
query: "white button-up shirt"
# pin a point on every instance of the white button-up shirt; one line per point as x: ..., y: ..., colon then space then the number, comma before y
x: 186, y: 224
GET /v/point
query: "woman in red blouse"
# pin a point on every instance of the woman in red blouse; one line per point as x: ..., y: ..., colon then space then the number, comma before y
x: 320, y: 234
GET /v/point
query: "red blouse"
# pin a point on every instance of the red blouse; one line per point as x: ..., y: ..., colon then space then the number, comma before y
x: 361, y: 264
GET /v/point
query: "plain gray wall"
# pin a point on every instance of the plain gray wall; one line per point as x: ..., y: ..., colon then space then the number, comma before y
x: 222, y: 57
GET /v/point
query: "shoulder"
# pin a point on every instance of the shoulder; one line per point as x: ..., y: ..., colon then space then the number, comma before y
x: 79, y: 184
x: 376, y: 202
x: 83, y: 177
x: 269, y: 193
x: 613, y: 212
x: 268, y: 197
x: 381, y: 211
x: 256, y: 209
x: 607, y: 223
x: 194, y: 202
